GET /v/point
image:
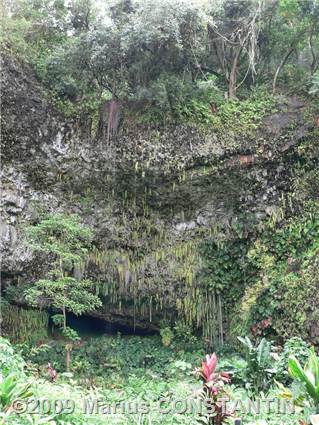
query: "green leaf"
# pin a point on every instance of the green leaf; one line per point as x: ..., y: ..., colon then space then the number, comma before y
x: 297, y: 372
x: 313, y: 364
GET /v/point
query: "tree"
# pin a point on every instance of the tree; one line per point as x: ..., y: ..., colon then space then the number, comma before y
x: 234, y: 35
x: 98, y: 58
x: 124, y: 56
x: 294, y: 28
x: 315, y: 84
x: 66, y: 242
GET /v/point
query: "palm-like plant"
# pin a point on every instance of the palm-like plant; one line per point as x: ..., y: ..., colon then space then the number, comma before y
x: 259, y: 371
x: 11, y: 390
x: 308, y: 376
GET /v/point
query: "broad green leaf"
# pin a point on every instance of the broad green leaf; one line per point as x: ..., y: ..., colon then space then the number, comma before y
x: 296, y: 371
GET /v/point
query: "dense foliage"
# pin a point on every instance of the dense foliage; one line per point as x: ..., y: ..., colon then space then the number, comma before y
x: 141, y: 370
x: 168, y: 60
x: 248, y: 286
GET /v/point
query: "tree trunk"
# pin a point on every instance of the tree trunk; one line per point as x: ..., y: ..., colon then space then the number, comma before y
x: 220, y: 319
x: 64, y: 318
x: 314, y: 63
x: 233, y: 75
x: 68, y: 358
x: 113, y: 119
x: 102, y: 126
x: 280, y: 66
x: 109, y: 119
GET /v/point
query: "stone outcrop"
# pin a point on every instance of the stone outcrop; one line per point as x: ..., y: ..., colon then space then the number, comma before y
x: 151, y: 195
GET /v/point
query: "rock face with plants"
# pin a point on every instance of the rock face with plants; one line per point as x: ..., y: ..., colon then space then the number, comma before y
x: 159, y: 215
x: 200, y: 209
x: 155, y: 229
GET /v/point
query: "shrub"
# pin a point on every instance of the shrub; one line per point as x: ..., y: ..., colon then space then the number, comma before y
x: 259, y: 370
x: 213, y: 390
x: 293, y: 347
x: 10, y: 361
x: 167, y: 336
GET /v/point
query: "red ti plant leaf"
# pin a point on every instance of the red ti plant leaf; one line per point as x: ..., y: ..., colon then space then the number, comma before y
x: 208, y: 367
x: 214, y: 389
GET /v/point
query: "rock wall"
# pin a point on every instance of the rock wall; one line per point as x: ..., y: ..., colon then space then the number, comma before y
x: 151, y: 195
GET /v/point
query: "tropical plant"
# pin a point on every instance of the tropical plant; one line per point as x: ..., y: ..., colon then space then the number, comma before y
x: 167, y: 336
x: 236, y: 366
x: 67, y: 242
x: 293, y: 347
x: 184, y: 335
x: 9, y: 360
x: 213, y: 391
x: 308, y: 376
x: 10, y: 390
x: 259, y: 371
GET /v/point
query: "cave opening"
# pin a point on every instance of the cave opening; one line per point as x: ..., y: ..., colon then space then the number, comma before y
x: 88, y: 326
